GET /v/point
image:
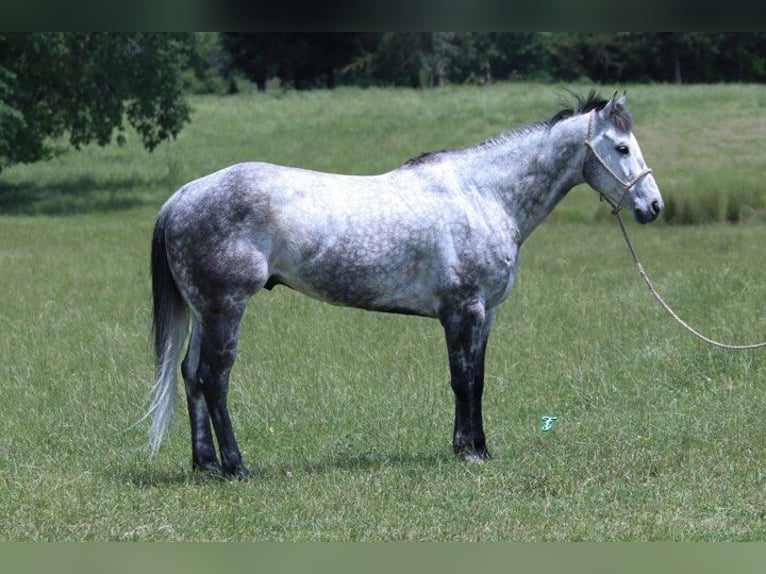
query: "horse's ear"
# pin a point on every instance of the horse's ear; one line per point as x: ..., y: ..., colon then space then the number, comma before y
x: 607, y: 111
x: 611, y: 106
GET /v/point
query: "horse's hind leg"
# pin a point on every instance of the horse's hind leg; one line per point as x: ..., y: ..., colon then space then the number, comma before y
x: 203, y: 450
x: 218, y: 338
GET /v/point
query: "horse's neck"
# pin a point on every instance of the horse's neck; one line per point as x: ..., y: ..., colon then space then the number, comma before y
x: 529, y: 173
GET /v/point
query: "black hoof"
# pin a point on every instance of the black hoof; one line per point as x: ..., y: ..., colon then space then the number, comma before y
x: 239, y: 472
x: 210, y: 467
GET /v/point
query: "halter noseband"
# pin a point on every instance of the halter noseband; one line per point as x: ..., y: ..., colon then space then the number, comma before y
x: 628, y: 185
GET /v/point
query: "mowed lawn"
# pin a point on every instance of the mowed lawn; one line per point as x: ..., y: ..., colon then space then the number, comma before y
x: 345, y: 417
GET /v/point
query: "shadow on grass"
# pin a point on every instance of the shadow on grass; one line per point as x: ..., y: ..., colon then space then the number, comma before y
x: 369, y: 461
x: 148, y: 477
x: 80, y: 195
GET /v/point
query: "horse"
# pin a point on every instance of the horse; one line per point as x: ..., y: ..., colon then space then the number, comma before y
x: 438, y: 236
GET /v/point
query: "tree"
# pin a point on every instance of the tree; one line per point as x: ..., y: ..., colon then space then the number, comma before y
x: 420, y: 59
x: 253, y: 54
x: 302, y: 59
x: 86, y: 85
x: 512, y: 55
x: 210, y: 70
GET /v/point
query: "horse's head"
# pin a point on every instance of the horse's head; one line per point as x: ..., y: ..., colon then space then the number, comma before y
x: 615, y: 166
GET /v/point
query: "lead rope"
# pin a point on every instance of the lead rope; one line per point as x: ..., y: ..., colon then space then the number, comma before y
x: 667, y: 308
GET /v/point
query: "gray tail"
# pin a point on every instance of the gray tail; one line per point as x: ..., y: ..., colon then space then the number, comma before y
x: 170, y: 323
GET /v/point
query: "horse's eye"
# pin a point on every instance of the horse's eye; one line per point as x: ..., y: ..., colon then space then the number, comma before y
x: 623, y: 149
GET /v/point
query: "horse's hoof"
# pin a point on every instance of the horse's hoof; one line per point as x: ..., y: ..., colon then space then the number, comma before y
x: 210, y: 467
x: 242, y: 474
x: 477, y: 457
x: 473, y: 454
x: 238, y: 472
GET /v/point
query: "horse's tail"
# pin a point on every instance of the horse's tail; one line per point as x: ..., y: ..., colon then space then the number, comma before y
x: 170, y: 324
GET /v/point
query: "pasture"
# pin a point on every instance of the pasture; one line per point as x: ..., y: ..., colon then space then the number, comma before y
x: 344, y: 417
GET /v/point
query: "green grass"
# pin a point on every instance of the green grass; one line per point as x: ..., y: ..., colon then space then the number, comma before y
x: 344, y: 417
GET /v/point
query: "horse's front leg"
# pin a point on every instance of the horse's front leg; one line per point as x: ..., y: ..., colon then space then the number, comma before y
x: 467, y: 329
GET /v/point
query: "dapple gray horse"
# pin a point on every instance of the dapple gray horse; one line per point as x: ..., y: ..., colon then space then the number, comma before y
x: 437, y: 237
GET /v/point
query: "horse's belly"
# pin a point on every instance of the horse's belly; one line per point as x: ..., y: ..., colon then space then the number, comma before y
x: 375, y: 293
x: 389, y: 285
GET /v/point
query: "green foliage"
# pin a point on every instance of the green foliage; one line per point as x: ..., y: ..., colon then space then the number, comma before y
x: 85, y: 85
x: 210, y: 70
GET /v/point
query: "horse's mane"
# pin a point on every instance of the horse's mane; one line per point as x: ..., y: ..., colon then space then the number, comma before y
x: 620, y: 117
x: 425, y: 157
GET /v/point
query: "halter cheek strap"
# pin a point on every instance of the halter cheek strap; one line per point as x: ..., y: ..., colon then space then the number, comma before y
x: 628, y: 185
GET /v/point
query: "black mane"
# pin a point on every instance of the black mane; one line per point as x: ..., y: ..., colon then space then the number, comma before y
x: 620, y: 116
x: 425, y: 157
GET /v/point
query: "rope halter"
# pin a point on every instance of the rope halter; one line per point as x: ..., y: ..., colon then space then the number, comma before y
x: 628, y: 185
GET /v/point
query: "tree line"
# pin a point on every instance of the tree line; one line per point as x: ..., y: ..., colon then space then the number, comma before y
x: 87, y: 86
x: 428, y: 59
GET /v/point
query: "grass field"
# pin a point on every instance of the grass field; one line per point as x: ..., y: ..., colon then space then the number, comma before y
x: 345, y: 417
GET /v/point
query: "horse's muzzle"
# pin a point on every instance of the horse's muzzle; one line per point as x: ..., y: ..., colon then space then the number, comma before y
x: 649, y: 214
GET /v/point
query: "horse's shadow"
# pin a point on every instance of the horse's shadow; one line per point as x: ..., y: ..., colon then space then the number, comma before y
x: 149, y: 477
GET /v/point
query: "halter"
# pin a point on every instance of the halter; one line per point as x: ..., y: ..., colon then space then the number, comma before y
x: 628, y: 185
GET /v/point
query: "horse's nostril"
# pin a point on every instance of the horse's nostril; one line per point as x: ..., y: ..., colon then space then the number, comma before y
x: 656, y: 207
